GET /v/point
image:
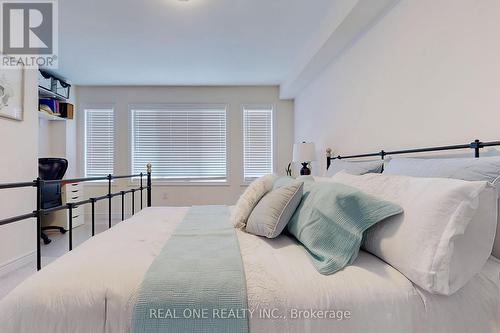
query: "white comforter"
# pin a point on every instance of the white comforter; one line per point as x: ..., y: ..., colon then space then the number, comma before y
x: 93, y: 288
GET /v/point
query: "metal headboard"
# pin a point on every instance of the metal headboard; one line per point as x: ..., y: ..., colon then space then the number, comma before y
x: 476, y: 145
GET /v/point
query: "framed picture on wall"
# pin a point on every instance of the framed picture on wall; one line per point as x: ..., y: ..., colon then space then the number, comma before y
x: 11, y: 93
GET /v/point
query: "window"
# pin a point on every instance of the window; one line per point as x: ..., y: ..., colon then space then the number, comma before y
x: 257, y: 141
x: 99, y: 142
x: 181, y: 142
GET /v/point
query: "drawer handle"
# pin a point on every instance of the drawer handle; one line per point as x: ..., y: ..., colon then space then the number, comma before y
x: 74, y: 191
x: 74, y: 198
x: 74, y: 217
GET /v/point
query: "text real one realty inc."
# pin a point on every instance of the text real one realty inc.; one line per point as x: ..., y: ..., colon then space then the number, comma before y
x: 225, y: 313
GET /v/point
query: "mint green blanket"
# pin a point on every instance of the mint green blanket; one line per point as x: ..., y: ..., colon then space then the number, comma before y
x: 197, y: 282
x: 330, y: 222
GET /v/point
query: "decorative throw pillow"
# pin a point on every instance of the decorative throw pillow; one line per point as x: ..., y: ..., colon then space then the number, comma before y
x: 274, y: 210
x: 355, y: 168
x: 249, y: 199
x: 330, y: 222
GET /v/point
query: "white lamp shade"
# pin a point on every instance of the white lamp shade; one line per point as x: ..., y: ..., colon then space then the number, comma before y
x: 304, y: 152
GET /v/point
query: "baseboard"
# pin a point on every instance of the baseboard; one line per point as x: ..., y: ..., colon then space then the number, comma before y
x: 17, y: 263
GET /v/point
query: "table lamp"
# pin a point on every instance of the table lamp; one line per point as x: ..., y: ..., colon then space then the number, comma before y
x: 304, y: 153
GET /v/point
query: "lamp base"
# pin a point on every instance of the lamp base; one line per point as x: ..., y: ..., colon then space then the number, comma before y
x: 305, y: 171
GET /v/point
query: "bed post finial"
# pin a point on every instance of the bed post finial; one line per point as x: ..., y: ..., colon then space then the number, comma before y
x: 328, y: 157
x: 148, y: 185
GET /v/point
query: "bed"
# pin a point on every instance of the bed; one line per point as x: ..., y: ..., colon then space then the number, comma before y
x: 94, y: 288
x: 97, y: 286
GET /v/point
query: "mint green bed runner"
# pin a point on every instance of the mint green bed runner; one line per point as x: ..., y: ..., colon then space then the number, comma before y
x: 197, y: 282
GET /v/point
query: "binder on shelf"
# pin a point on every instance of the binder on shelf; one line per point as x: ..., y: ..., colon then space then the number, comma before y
x: 67, y: 110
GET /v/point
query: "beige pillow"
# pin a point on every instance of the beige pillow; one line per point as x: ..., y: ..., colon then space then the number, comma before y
x: 249, y: 199
x: 274, y: 210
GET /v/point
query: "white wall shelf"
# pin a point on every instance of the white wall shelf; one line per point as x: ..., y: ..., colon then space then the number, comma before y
x: 45, y: 93
x: 47, y: 116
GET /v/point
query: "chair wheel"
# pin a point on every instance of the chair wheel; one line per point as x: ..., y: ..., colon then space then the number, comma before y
x: 46, y: 240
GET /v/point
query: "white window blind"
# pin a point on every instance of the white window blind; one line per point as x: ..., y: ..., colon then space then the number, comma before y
x: 181, y: 142
x: 257, y: 141
x: 99, y: 142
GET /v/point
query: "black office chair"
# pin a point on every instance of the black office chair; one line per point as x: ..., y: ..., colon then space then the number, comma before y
x: 51, y: 169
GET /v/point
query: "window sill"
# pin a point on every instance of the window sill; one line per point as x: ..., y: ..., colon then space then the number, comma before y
x: 159, y: 182
x: 98, y: 183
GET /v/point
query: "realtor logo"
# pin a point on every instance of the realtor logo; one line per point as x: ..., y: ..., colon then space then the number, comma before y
x: 29, y: 33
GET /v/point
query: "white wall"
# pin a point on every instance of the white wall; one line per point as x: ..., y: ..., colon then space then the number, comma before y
x: 428, y: 73
x: 19, y: 162
x: 122, y: 97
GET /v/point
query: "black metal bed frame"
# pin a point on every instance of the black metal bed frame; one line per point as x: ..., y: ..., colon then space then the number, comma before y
x: 39, y: 212
x: 476, y: 145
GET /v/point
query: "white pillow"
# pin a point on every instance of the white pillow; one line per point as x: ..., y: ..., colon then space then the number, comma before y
x: 445, y: 234
x: 484, y: 168
x: 323, y: 179
x: 249, y: 199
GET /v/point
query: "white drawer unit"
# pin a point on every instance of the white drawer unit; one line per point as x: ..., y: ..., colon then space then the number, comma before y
x: 70, y: 193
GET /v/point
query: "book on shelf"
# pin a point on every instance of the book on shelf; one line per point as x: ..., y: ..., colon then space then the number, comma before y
x: 49, y: 106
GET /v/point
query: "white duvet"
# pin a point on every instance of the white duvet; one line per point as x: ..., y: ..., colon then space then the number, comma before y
x: 93, y: 288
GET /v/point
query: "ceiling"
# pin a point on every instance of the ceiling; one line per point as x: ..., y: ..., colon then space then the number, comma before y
x: 195, y: 42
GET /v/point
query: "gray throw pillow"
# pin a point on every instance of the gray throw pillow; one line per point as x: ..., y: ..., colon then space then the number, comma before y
x: 274, y: 210
x: 355, y: 168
